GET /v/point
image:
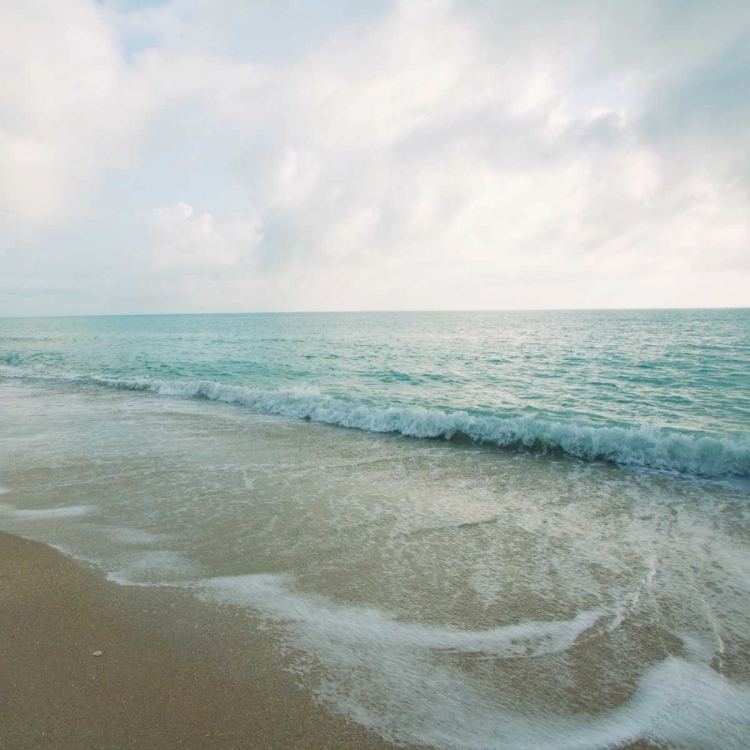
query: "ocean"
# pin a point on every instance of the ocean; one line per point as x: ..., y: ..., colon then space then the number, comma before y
x: 467, y: 530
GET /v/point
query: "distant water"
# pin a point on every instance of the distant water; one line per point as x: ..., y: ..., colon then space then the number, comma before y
x: 538, y: 535
x: 662, y: 389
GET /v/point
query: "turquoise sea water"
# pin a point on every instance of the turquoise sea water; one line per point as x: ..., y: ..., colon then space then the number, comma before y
x: 465, y: 530
x: 661, y: 389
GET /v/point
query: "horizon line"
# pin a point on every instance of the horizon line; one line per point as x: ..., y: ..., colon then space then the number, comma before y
x: 370, y: 312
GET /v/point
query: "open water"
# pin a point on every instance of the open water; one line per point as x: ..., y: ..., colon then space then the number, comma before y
x: 470, y: 530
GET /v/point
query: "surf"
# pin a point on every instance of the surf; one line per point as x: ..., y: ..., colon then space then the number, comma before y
x: 712, y: 456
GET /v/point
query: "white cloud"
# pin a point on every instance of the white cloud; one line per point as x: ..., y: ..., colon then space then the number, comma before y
x: 468, y: 165
x: 435, y: 155
x: 186, y: 241
x: 69, y: 108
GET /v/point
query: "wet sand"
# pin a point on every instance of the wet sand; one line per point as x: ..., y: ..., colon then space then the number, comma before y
x: 164, y: 679
x: 146, y: 690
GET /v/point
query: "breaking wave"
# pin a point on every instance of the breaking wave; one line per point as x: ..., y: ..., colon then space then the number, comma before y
x: 723, y: 456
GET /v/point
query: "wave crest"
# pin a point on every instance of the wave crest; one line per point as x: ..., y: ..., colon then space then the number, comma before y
x: 637, y: 446
x: 647, y: 447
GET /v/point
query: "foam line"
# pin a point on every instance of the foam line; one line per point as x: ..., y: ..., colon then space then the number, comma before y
x: 358, y: 624
x: 394, y: 677
x: 711, y: 456
x: 69, y: 511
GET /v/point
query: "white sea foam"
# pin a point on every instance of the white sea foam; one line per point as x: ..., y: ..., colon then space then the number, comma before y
x: 68, y: 511
x: 358, y: 625
x: 712, y: 456
x: 134, y: 537
x: 122, y: 578
x: 643, y: 446
x: 155, y: 568
x: 395, y: 677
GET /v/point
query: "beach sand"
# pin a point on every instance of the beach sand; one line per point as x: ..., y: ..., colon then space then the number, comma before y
x: 144, y: 691
x: 164, y: 680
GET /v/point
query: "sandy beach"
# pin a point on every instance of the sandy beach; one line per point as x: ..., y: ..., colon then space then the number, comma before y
x: 143, y: 691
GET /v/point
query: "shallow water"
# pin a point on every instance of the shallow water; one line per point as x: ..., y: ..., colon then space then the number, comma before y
x: 440, y: 592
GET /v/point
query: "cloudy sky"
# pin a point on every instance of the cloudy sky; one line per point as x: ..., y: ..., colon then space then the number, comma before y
x: 250, y: 155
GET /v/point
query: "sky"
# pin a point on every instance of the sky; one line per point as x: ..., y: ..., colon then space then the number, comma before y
x: 271, y: 155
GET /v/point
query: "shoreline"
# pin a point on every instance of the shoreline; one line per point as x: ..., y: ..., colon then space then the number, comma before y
x: 161, y: 681
x: 150, y: 687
